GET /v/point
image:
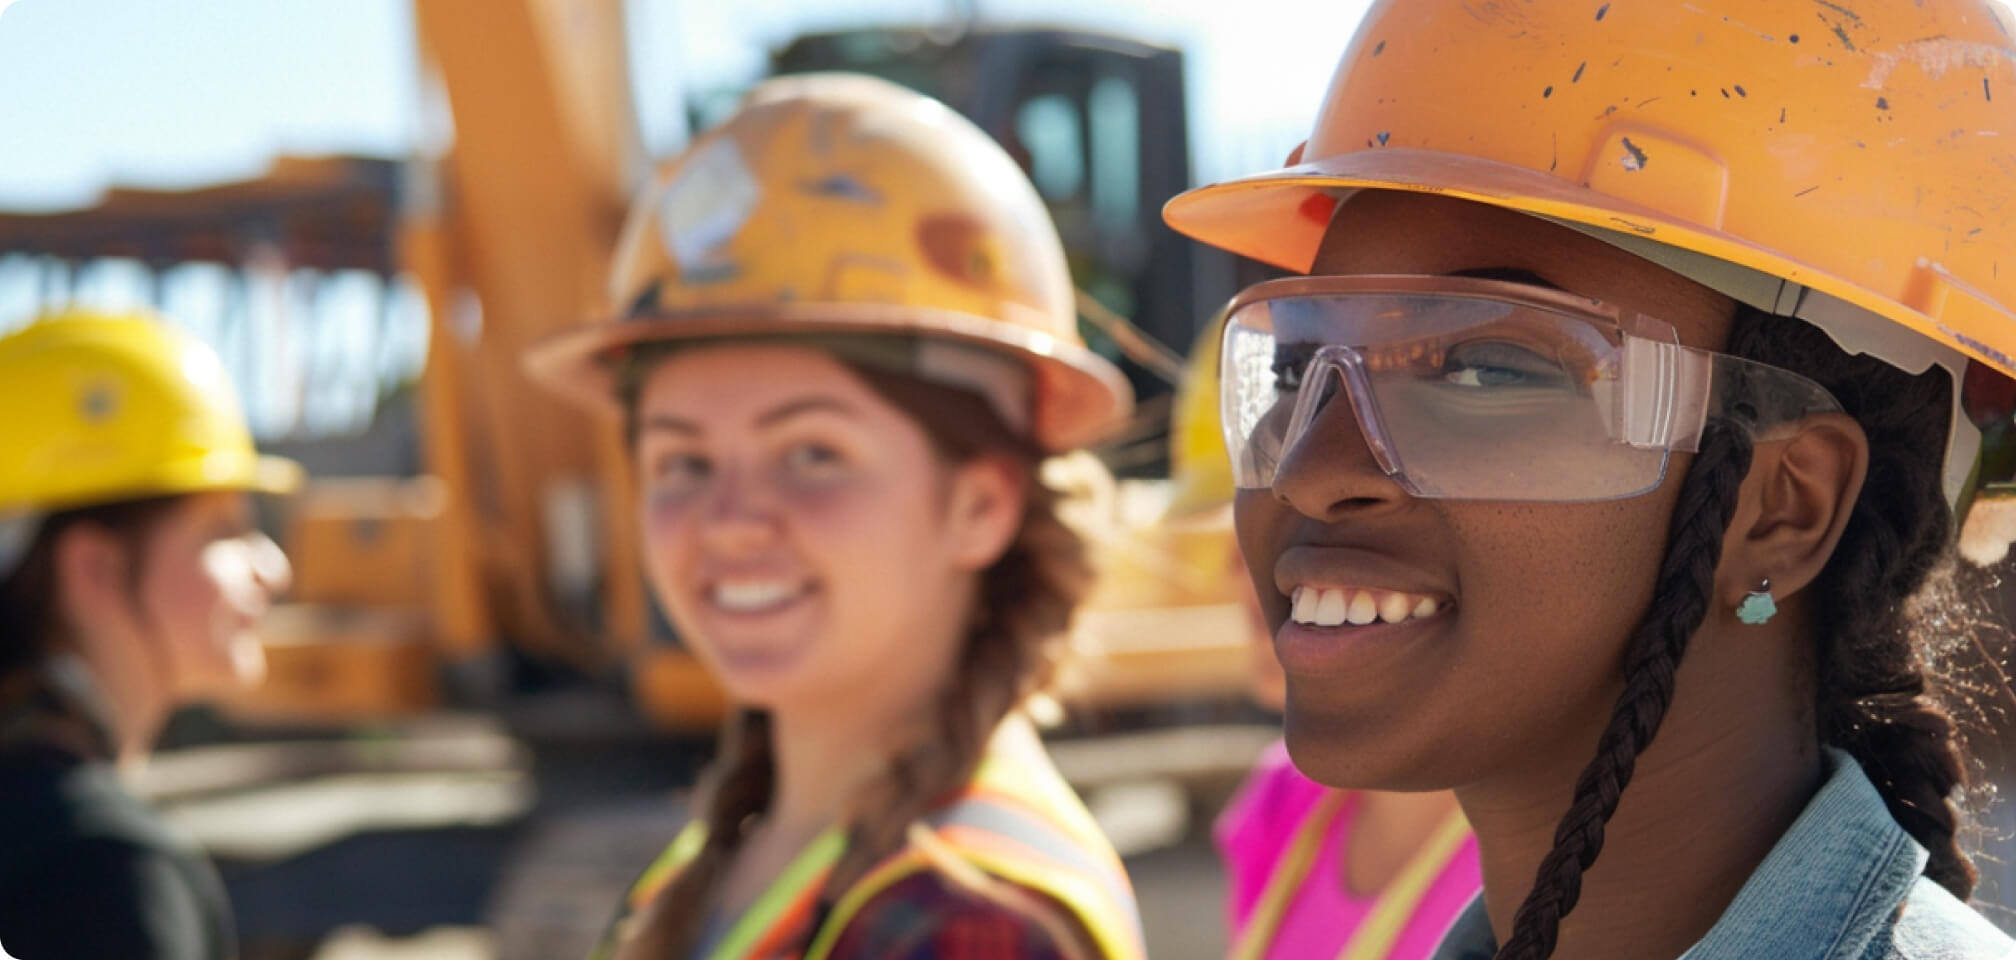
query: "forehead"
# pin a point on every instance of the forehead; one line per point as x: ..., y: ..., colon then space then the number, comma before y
x: 730, y: 374
x: 1391, y: 232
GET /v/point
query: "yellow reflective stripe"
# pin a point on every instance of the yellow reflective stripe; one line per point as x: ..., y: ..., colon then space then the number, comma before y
x: 1375, y: 937
x: 676, y: 855
x: 1049, y: 794
x: 757, y: 922
x: 879, y: 879
x: 1290, y: 872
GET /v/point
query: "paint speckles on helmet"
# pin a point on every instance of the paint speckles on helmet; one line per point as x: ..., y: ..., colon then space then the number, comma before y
x: 838, y: 203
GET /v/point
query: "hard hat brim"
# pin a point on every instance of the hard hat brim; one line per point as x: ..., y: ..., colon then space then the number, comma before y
x: 1081, y: 397
x: 1280, y: 218
x: 276, y: 475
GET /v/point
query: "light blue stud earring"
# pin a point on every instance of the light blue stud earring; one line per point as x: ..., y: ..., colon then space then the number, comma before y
x: 1758, y: 607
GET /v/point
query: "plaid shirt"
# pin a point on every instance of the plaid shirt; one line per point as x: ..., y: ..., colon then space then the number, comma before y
x: 921, y: 917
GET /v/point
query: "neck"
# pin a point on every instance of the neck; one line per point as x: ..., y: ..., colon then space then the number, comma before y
x: 1731, y: 768
x: 127, y: 699
x: 823, y: 758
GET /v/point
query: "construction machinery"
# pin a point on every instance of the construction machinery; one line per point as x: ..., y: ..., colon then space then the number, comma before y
x: 466, y: 540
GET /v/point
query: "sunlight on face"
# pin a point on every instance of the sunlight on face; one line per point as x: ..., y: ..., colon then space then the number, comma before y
x: 209, y: 576
x: 793, y: 522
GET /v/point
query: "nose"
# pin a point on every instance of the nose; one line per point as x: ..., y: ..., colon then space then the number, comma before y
x: 270, y: 566
x: 1329, y: 473
x: 737, y: 518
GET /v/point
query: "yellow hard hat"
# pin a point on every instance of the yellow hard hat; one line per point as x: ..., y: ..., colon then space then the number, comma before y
x: 1852, y: 168
x: 102, y: 408
x: 1199, y: 466
x: 843, y: 204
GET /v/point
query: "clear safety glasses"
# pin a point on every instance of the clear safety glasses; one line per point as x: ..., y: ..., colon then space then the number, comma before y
x: 1472, y: 389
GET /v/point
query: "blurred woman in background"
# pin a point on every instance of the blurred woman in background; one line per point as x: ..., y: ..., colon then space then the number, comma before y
x: 132, y: 579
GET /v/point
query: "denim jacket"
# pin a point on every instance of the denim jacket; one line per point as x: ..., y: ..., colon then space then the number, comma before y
x: 1844, y: 883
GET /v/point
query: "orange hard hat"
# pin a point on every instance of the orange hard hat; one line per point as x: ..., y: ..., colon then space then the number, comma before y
x: 1850, y: 164
x: 844, y: 204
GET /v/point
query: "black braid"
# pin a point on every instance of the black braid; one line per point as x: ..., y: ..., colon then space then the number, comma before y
x: 1890, y: 616
x: 1686, y: 588
x: 1889, y: 619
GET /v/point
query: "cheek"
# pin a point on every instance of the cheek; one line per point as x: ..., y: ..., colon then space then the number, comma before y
x: 1552, y: 594
x: 1260, y: 525
x: 188, y: 596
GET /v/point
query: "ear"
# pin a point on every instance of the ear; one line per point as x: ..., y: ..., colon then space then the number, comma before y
x: 1793, y: 507
x: 984, y: 510
x: 92, y: 573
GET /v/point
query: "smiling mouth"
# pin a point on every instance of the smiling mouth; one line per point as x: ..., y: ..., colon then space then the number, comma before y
x: 747, y: 597
x: 1358, y: 607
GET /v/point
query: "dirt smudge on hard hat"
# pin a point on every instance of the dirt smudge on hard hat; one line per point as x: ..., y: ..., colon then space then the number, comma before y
x: 1839, y: 22
x: 841, y: 186
x: 1634, y: 158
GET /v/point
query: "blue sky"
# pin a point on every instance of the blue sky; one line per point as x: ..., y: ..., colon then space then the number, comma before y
x: 167, y: 93
x: 180, y: 93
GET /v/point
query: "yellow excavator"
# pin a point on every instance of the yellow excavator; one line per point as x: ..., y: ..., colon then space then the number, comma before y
x: 476, y: 540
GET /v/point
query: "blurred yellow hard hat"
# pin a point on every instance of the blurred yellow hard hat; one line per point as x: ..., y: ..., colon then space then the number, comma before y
x: 843, y: 204
x: 102, y: 408
x: 1199, y: 466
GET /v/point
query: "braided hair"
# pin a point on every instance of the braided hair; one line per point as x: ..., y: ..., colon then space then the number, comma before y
x: 1876, y: 652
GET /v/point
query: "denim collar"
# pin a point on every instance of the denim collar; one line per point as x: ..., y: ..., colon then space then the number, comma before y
x: 1829, y: 887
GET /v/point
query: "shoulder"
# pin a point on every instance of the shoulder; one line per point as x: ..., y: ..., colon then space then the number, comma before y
x: 925, y: 915
x: 1935, y: 925
x: 110, y: 896
x: 59, y: 809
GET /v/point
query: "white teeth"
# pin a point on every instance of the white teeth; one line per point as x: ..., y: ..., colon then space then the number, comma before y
x: 743, y: 596
x: 1315, y: 606
x: 1305, y: 604
x: 1364, y: 609
x: 1330, y: 611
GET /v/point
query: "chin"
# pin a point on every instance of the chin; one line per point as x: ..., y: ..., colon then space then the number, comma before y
x: 248, y: 662
x: 771, y: 685
x: 1353, y: 753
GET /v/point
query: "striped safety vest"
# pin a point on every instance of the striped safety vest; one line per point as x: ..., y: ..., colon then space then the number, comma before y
x: 1017, y: 822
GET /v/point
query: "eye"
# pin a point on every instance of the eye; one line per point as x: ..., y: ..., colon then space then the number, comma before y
x: 674, y: 471
x: 1489, y: 364
x: 812, y: 459
x: 1291, y: 363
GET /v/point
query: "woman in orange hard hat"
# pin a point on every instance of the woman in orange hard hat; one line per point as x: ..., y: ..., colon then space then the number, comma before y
x: 1310, y: 870
x: 1648, y: 356
x: 847, y: 340
x: 131, y: 581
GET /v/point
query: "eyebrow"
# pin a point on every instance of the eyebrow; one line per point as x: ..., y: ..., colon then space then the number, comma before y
x: 769, y: 418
